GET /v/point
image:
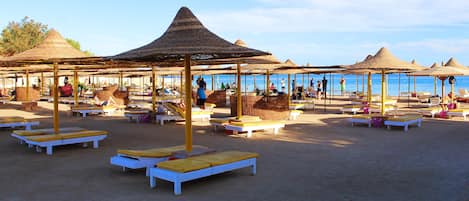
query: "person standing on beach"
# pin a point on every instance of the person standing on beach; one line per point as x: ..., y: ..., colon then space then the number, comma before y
x: 311, y: 83
x: 282, y: 83
x: 324, y: 86
x: 201, y: 93
x: 318, y: 91
x: 342, y: 86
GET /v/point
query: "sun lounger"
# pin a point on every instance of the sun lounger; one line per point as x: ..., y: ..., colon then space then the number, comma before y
x: 136, y: 115
x: 221, y: 122
x: 297, y: 106
x: 351, y: 108
x: 182, y: 170
x: 361, y: 119
x: 51, y: 140
x: 431, y: 111
x: 294, y: 114
x: 178, y: 114
x: 463, y: 93
x: 147, y: 158
x: 13, y: 122
x: 459, y: 112
x: 377, y: 109
x: 253, y: 126
x: 403, y: 121
x: 85, y: 110
x: 5, y: 99
x: 23, y: 134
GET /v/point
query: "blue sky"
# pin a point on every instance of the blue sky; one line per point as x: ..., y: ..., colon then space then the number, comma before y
x: 315, y: 31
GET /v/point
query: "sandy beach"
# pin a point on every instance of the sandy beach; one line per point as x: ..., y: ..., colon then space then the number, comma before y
x: 320, y: 156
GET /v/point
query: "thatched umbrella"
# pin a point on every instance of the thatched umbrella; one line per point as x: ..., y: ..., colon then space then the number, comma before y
x: 384, y: 61
x: 442, y: 72
x: 453, y: 63
x: 187, y: 39
x: 54, y: 47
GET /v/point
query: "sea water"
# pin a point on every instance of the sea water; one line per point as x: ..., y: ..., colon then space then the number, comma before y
x: 397, y: 83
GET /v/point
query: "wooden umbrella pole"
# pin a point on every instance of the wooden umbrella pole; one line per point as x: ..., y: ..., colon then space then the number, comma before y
x: 369, y: 89
x: 56, y: 98
x: 162, y: 84
x: 434, y: 86
x: 363, y: 83
x: 289, y: 90
x: 75, y: 86
x: 408, y: 91
x: 42, y: 83
x: 267, y: 89
x: 452, y: 93
x: 181, y: 87
x: 213, y: 82
x: 153, y: 90
x: 239, y: 111
x: 356, y: 82
x: 443, y: 97
x: 254, y: 78
x: 27, y: 85
x: 383, y: 81
x: 415, y: 85
x: 398, y: 85
x: 188, y: 102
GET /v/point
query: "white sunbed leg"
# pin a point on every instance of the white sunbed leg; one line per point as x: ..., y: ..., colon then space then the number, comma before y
x: 254, y: 169
x: 389, y: 127
x: 147, y: 171
x: 406, y: 128
x: 152, y: 182
x: 276, y: 131
x: 38, y: 149
x: 123, y: 169
x: 369, y: 124
x: 177, y: 188
x: 84, y: 115
x: 161, y: 122
x: 249, y: 133
x: 95, y: 144
x: 419, y: 123
x: 49, y: 150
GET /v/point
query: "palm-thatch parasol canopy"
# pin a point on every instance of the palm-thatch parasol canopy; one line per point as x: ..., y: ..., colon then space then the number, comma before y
x: 453, y: 63
x: 440, y: 71
x: 54, y: 46
x: 187, y: 36
x: 384, y: 60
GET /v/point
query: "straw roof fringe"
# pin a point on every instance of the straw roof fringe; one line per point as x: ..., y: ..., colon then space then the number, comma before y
x: 452, y: 62
x: 54, y: 46
x: 384, y: 60
x: 187, y: 36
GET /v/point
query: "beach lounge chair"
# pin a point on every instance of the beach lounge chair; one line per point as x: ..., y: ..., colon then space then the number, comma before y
x: 137, y: 115
x: 85, y: 110
x: 221, y: 122
x: 13, y: 122
x: 351, y: 108
x: 21, y: 135
x: 294, y: 114
x: 5, y: 99
x: 463, y: 93
x: 178, y: 114
x: 51, y: 140
x: 431, y: 111
x: 463, y: 112
x: 296, y: 106
x: 147, y: 158
x: 404, y: 121
x: 435, y: 101
x: 182, y: 170
x: 243, y: 126
x: 361, y: 119
x: 377, y: 109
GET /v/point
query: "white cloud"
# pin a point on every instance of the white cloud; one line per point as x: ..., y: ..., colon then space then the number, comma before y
x: 340, y: 15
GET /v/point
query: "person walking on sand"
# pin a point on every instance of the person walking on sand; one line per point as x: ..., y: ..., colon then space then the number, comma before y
x: 318, y: 91
x: 342, y: 86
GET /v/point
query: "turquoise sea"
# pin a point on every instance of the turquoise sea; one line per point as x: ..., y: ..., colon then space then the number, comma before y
x: 353, y: 82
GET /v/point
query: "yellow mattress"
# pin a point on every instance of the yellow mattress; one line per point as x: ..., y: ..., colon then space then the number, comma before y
x: 225, y: 157
x: 183, y: 165
x: 78, y: 134
x: 404, y: 118
x: 4, y: 120
x: 256, y: 123
x: 296, y: 111
x: 361, y: 117
x: 38, y: 132
x: 459, y: 110
x: 156, y: 152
